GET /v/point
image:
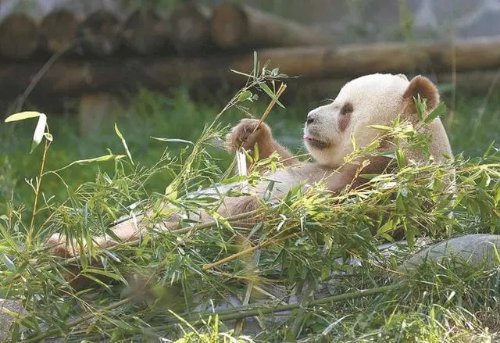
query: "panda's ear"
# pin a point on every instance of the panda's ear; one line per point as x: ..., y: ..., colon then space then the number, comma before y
x: 423, y: 87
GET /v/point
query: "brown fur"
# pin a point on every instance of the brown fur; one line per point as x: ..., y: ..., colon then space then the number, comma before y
x: 422, y: 87
x: 345, y: 116
x: 249, y: 134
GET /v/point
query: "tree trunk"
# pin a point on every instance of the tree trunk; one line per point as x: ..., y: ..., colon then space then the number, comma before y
x: 19, y: 37
x: 59, y: 30
x: 146, y: 32
x: 191, y: 28
x: 237, y: 26
x: 100, y: 33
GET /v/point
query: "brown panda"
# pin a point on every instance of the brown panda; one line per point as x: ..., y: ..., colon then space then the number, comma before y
x: 329, y: 133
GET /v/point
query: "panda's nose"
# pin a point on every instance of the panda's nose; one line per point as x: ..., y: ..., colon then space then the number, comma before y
x: 311, y: 117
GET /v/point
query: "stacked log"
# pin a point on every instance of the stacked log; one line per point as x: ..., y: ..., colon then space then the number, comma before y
x: 100, y: 33
x: 195, y: 30
x: 59, y: 30
x: 146, y: 32
x: 19, y: 36
x: 191, y: 28
x: 236, y: 26
x: 73, y: 77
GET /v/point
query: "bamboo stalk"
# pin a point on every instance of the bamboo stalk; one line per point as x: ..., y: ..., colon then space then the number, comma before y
x: 233, y: 313
x: 247, y: 251
x: 263, y: 309
x: 273, y: 102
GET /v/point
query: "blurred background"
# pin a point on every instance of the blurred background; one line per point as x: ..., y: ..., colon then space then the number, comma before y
x: 163, y: 69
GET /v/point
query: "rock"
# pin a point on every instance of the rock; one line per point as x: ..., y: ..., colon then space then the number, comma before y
x: 475, y: 249
x: 8, y: 310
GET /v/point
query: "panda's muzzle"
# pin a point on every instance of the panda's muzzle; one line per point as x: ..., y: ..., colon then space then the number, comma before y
x: 310, y: 132
x: 315, y: 143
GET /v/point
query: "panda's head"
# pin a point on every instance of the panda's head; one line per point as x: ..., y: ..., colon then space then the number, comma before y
x: 368, y: 100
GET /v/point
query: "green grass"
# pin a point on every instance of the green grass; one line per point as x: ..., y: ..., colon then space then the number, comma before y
x: 150, y: 115
x: 148, y: 287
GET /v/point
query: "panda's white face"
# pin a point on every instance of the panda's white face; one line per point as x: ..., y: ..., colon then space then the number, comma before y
x: 368, y: 100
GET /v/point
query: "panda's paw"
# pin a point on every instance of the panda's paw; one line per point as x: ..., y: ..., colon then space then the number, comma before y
x: 247, y: 134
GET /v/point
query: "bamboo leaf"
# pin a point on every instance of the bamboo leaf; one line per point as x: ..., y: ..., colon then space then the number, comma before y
x: 240, y: 73
x: 103, y: 158
x: 245, y: 95
x: 39, y: 131
x: 420, y: 106
x: 172, y: 140
x: 381, y: 127
x: 8, y: 237
x: 48, y: 136
x: 105, y: 273
x: 8, y: 263
x: 124, y: 143
x: 270, y: 93
x: 22, y: 116
x: 437, y: 112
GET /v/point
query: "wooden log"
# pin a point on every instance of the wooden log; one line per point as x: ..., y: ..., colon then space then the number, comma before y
x: 72, y: 77
x: 191, y: 28
x: 59, y: 30
x: 146, y: 32
x: 354, y: 60
x: 470, y: 82
x: 19, y: 37
x: 100, y: 33
x: 238, y: 26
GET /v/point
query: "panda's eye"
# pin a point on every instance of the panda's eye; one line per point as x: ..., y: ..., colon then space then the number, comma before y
x: 346, y: 109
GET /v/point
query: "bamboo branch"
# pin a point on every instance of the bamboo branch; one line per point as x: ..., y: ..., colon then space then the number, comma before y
x: 263, y: 309
x: 233, y: 313
x: 273, y: 102
x: 78, y: 321
x: 179, y: 231
x: 247, y: 251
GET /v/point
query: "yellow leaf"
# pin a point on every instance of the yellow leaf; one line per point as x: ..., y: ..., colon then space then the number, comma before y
x: 22, y: 115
